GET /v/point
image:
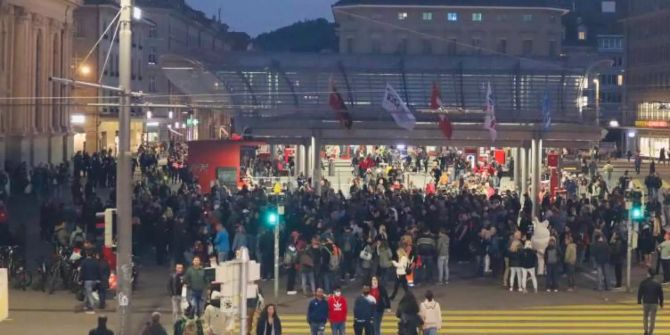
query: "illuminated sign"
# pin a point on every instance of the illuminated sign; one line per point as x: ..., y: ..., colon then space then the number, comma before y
x: 651, y: 124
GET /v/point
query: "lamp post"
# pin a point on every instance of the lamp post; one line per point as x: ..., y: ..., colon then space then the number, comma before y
x: 124, y: 173
x: 596, y: 82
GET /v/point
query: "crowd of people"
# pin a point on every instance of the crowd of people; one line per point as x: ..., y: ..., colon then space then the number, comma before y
x: 384, y: 235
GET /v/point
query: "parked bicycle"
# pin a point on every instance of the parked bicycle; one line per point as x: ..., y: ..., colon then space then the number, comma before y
x: 11, y: 258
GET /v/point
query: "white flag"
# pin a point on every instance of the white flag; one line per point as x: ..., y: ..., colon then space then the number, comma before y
x: 393, y: 104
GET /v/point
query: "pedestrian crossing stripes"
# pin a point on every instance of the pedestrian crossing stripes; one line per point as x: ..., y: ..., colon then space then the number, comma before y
x: 546, y: 320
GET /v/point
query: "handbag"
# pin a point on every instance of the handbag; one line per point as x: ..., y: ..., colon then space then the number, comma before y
x: 365, y: 255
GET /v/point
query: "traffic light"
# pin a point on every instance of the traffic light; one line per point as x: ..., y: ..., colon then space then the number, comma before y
x: 271, y: 217
x: 636, y: 212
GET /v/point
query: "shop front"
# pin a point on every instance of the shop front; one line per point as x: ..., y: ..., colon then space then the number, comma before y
x: 652, y: 136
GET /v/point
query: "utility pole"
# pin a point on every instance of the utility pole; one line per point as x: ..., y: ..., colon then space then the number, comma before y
x: 124, y: 174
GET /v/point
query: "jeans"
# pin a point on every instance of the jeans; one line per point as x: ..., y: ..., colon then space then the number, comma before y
x: 524, y: 279
x: 327, y: 282
x: 618, y: 273
x: 430, y: 331
x: 89, y: 285
x: 427, y: 269
x: 308, y: 276
x: 552, y: 276
x: 602, y: 276
x: 400, y: 281
x: 176, y: 307
x: 196, y: 301
x: 290, y: 280
x: 443, y: 269
x: 317, y: 328
x: 649, y: 316
x: 363, y: 326
x: 338, y: 328
x: 379, y: 315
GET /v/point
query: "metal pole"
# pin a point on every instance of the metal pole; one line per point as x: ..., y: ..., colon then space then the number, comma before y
x: 244, y: 275
x: 597, y: 83
x: 629, y: 252
x: 276, y: 283
x: 124, y: 173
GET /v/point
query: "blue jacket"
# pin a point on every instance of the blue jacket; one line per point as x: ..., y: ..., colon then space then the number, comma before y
x: 364, y: 309
x: 222, y: 241
x: 318, y: 311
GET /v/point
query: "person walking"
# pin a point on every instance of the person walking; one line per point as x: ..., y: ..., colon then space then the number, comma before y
x: 268, y: 322
x: 570, y: 261
x: 103, y: 268
x: 408, y: 315
x: 608, y: 169
x: 154, y: 326
x: 401, y: 267
x: 102, y: 327
x: 378, y: 291
x: 618, y: 252
x: 650, y: 296
x: 90, y: 276
x: 443, y: 257
x: 175, y: 286
x: 638, y: 163
x: 194, y: 279
x: 317, y: 313
x: 337, y: 311
x: 431, y: 314
x: 364, y: 312
x: 527, y: 263
x: 664, y: 254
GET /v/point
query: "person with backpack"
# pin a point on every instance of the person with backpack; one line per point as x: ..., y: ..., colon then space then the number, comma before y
x: 551, y: 260
x: 385, y: 258
x: 425, y: 246
x: 291, y: 264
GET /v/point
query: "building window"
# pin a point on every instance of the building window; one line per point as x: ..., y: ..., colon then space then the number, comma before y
x: 619, y: 80
x: 527, y: 17
x: 527, y: 47
x: 477, y: 17
x: 502, y: 46
x: 427, y: 16
x: 608, y: 6
x: 152, y: 56
x: 427, y: 47
x: 350, y: 45
x: 402, y: 16
x: 453, y: 17
x: 581, y: 32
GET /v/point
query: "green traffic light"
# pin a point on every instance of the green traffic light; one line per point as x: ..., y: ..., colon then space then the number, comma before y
x: 636, y: 213
x: 272, y: 219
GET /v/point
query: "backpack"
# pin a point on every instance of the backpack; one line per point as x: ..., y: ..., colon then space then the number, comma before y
x: 335, y: 258
x: 78, y: 238
x: 290, y: 257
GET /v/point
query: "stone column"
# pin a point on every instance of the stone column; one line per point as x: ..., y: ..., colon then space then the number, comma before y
x: 18, y: 148
x: 536, y: 168
x: 316, y: 154
x: 516, y: 175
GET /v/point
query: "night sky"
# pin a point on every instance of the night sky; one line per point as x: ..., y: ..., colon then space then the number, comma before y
x: 259, y: 16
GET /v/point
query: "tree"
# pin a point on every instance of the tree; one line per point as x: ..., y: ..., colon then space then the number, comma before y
x: 238, y: 41
x: 304, y: 36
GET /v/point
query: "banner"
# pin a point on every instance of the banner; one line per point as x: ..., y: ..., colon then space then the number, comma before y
x: 393, y: 104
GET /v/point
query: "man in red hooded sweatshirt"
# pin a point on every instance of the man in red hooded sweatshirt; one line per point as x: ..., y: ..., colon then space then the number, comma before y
x: 337, y: 311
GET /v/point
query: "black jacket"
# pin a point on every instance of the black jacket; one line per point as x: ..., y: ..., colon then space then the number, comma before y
x: 175, y: 283
x: 528, y: 258
x: 650, y: 292
x: 262, y: 323
x: 384, y: 301
x: 600, y: 252
x: 364, y: 309
x: 90, y: 270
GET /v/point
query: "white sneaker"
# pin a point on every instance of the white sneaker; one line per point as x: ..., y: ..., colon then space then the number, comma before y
x: 511, y: 289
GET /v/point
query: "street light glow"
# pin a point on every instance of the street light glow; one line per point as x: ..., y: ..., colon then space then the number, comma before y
x: 614, y: 124
x: 85, y: 70
x: 631, y: 134
x: 149, y: 114
x: 77, y: 119
x: 170, y: 114
x: 137, y: 13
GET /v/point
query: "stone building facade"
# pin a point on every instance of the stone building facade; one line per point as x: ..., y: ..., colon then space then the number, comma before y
x: 36, y: 39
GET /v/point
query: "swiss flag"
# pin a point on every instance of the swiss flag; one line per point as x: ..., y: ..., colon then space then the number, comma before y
x: 443, y: 121
x: 337, y: 104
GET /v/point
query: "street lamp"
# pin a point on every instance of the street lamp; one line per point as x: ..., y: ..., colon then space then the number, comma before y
x: 596, y: 82
x: 84, y: 70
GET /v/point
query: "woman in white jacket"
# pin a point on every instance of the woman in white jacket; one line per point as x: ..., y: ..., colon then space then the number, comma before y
x: 430, y: 314
x: 400, y: 271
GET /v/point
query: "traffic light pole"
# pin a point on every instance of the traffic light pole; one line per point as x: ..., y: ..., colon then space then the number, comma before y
x: 629, y: 252
x: 124, y: 174
x: 277, y: 259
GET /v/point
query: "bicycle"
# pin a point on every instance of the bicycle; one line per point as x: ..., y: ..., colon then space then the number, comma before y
x: 11, y: 259
x: 60, y: 269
